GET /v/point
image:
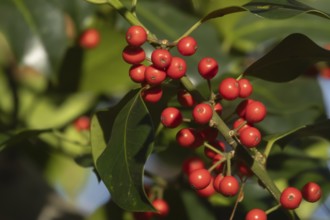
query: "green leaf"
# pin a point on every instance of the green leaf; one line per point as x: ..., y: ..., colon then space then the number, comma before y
x: 282, y: 9
x: 97, y: 1
x: 289, y: 59
x: 121, y: 164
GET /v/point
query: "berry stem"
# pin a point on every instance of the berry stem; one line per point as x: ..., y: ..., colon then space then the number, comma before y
x: 217, y: 164
x: 159, y: 181
x: 238, y: 199
x: 133, y: 8
x: 268, y: 148
x: 228, y: 158
x: 212, y: 148
x: 273, y: 209
x: 188, y: 120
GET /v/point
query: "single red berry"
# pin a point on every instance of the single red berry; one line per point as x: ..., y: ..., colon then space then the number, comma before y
x: 243, y: 169
x: 133, y: 55
x: 290, y: 198
x: 154, y: 76
x: 208, y: 67
x: 187, y: 46
x: 250, y: 137
x: 255, y: 112
x: 90, y: 38
x: 209, y: 134
x: 311, y: 192
x: 82, y: 123
x: 229, y: 186
x: 161, y: 58
x: 185, y: 98
x: 216, y: 182
x: 171, y: 117
x: 207, y: 191
x: 161, y: 206
x: 199, y: 140
x: 152, y: 95
x: 218, y: 108
x: 245, y: 88
x: 186, y: 137
x: 229, y: 89
x: 256, y: 214
x: 177, y: 68
x: 241, y: 108
x: 240, y: 124
x: 219, y: 145
x: 136, y: 36
x: 199, y: 179
x: 202, y: 113
x: 191, y: 164
x: 137, y: 73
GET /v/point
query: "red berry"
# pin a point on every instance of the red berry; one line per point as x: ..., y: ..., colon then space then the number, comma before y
x: 143, y: 215
x: 82, y: 123
x: 136, y: 36
x: 256, y: 214
x: 216, y: 182
x: 208, y: 190
x: 255, y: 112
x: 177, y: 68
x: 133, y: 55
x: 171, y: 117
x: 161, y: 206
x: 243, y: 169
x: 245, y: 88
x: 239, y: 124
x: 154, y: 76
x: 311, y: 192
x: 90, y: 38
x: 290, y: 198
x: 229, y: 89
x: 219, y: 145
x: 209, y: 134
x: 241, y: 108
x: 161, y: 58
x: 216, y: 159
x: 187, y: 46
x: 229, y: 186
x: 191, y: 164
x: 218, y: 108
x: 152, y: 95
x: 137, y: 73
x: 185, y: 98
x: 250, y: 137
x: 186, y: 137
x: 199, y: 179
x: 208, y: 67
x: 202, y: 113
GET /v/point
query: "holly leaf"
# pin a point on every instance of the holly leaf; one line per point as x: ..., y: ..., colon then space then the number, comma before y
x: 288, y: 60
x: 121, y: 164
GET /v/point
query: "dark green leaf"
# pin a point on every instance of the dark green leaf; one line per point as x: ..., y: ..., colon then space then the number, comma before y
x: 281, y: 9
x: 289, y: 59
x: 121, y: 164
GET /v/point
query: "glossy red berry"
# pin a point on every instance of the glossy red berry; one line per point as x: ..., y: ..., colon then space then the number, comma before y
x: 240, y: 124
x: 177, y: 68
x: 229, y: 89
x: 208, y: 67
x: 161, y: 206
x: 311, y: 192
x: 186, y: 137
x: 187, y: 46
x: 133, y: 55
x: 191, y: 164
x: 90, y: 38
x: 82, y: 123
x: 207, y: 191
x: 290, y: 198
x: 161, y: 58
x: 245, y: 88
x: 250, y: 137
x: 185, y: 98
x: 229, y: 186
x: 154, y: 76
x: 137, y: 73
x: 171, y: 117
x: 216, y: 182
x: 255, y: 112
x: 152, y: 95
x: 241, y: 108
x: 136, y: 36
x: 256, y: 214
x: 202, y: 113
x: 199, y: 179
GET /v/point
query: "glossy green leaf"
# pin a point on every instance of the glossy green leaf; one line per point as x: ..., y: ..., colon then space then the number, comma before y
x: 281, y: 9
x: 121, y: 164
x: 288, y: 60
